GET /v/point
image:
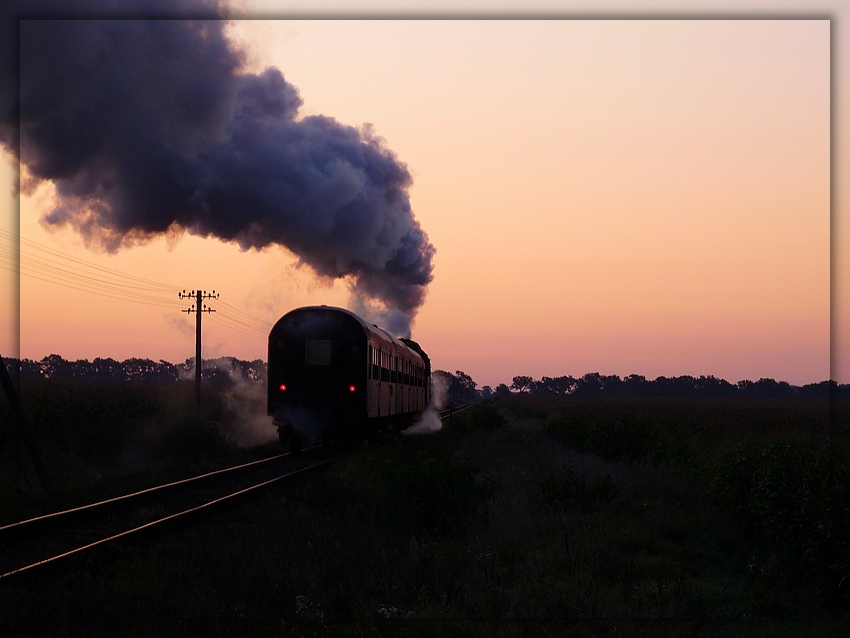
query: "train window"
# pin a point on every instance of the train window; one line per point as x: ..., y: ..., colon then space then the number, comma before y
x: 385, y: 366
x: 317, y: 352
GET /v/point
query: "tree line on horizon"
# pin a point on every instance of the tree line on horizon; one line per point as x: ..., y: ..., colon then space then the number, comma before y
x: 459, y: 386
x: 223, y: 371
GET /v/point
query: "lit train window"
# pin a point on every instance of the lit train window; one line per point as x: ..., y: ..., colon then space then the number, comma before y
x: 317, y: 352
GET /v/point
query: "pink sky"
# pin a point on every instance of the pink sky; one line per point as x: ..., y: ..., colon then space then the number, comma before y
x: 647, y: 197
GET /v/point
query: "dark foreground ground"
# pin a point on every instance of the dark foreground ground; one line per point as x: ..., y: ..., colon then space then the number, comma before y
x: 533, y: 516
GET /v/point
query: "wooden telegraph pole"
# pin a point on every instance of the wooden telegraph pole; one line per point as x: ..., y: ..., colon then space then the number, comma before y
x: 199, y: 308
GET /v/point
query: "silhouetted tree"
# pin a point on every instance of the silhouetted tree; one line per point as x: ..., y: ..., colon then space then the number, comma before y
x: 594, y: 384
x: 822, y: 390
x: 502, y: 391
x: 522, y: 384
x: 550, y: 385
x: 466, y: 387
x: 226, y: 369
x: 461, y: 386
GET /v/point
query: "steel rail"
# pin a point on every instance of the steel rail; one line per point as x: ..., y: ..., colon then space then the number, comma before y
x: 126, y: 497
x: 18, y: 526
x: 170, y: 517
x: 442, y: 414
x: 156, y: 488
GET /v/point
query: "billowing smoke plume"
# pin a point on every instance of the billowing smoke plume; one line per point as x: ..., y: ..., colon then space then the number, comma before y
x: 153, y: 126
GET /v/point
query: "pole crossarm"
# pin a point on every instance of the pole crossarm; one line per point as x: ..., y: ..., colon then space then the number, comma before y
x: 198, y: 296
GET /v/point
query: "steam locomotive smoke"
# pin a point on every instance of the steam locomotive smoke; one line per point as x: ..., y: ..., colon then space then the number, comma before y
x: 153, y: 126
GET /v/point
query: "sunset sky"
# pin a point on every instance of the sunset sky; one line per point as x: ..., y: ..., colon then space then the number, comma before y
x: 617, y: 196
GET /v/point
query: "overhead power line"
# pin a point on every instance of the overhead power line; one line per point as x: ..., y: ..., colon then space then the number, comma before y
x: 50, y: 265
x: 122, y: 276
x: 229, y: 322
x: 263, y: 322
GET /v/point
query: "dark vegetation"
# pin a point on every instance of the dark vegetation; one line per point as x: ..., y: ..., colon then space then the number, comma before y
x: 460, y: 386
x: 601, y: 516
x: 780, y: 466
x: 594, y: 384
x: 103, y: 439
x: 223, y: 371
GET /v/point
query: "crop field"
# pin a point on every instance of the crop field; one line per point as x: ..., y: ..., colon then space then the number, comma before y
x: 525, y: 516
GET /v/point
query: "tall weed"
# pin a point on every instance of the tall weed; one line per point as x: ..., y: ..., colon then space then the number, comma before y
x: 795, y: 499
x: 412, y: 490
x: 790, y: 494
x: 565, y: 489
x: 481, y: 416
x: 623, y: 436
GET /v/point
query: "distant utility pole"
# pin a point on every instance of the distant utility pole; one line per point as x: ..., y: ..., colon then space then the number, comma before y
x: 200, y: 308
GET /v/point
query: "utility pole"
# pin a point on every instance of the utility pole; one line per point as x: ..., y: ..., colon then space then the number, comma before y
x: 199, y: 308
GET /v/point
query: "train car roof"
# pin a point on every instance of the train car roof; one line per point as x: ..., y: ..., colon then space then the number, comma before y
x: 370, y: 328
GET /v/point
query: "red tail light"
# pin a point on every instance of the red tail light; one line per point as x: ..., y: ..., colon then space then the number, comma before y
x: 351, y: 388
x: 283, y: 387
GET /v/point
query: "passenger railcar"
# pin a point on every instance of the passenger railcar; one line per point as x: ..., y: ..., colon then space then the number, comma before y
x: 333, y: 376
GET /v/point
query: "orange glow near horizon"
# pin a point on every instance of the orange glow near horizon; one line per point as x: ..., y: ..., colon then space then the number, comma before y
x: 622, y: 197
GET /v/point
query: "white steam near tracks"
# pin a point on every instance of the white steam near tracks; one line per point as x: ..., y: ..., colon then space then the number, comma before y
x: 430, y: 420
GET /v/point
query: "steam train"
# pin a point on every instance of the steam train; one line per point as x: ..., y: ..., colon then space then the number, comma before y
x: 336, y: 378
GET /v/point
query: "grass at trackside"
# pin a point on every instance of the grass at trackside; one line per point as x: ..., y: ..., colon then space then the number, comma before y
x: 557, y: 517
x: 103, y: 439
x: 780, y: 466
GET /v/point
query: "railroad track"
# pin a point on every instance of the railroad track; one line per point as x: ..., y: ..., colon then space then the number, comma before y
x: 32, y: 543
x: 46, y: 539
x: 442, y: 414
